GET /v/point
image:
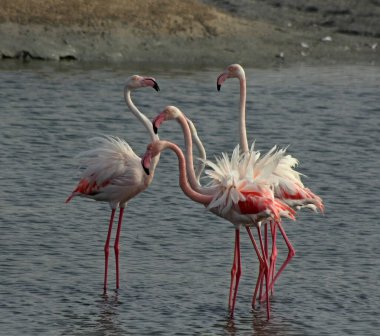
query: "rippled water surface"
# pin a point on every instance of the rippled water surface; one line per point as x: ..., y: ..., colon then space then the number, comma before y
x: 175, y: 257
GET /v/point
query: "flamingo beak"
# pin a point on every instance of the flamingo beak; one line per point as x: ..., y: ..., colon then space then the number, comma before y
x: 146, y: 170
x: 149, y: 81
x: 157, y: 122
x: 155, y: 130
x: 145, y: 161
x: 155, y: 86
x: 221, y: 78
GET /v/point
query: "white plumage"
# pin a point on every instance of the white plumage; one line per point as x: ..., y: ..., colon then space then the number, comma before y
x: 244, y: 175
x: 112, y: 172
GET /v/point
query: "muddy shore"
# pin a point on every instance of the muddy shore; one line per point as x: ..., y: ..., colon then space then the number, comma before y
x: 208, y: 32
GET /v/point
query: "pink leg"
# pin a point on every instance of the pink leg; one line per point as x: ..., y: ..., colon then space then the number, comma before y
x: 117, y: 247
x: 232, y: 283
x: 107, y: 248
x: 266, y: 273
x: 273, y: 256
x: 262, y: 266
x: 261, y: 288
x: 235, y: 273
x: 291, y: 254
x: 259, y: 284
x: 266, y: 240
x: 265, y: 257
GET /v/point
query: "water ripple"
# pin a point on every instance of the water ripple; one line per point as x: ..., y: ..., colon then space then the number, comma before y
x: 175, y: 257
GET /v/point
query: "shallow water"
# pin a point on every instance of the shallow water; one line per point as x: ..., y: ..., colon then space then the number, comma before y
x: 175, y: 257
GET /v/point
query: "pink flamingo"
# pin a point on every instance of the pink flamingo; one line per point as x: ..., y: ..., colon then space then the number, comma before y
x: 113, y: 172
x: 286, y: 182
x: 232, y: 197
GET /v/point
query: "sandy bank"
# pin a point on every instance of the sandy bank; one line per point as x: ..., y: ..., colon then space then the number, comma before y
x: 182, y: 32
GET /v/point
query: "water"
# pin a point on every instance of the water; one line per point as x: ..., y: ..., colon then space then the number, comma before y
x: 175, y: 257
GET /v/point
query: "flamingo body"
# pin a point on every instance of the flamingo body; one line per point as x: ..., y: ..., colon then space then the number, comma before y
x: 242, y: 182
x: 113, y: 173
x: 285, y: 181
x: 232, y: 194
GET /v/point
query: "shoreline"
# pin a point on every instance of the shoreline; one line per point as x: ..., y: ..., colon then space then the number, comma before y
x: 181, y: 38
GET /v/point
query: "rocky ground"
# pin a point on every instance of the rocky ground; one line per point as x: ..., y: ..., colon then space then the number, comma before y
x: 208, y: 32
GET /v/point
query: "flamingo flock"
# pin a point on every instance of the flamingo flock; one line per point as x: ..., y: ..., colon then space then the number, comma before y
x: 248, y: 189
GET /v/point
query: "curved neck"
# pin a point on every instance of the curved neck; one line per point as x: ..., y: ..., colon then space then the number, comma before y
x: 145, y: 121
x: 189, y: 152
x: 141, y: 117
x: 201, y: 151
x: 242, y: 126
x: 186, y: 188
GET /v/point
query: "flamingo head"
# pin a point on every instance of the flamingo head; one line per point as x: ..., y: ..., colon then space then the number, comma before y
x: 169, y: 113
x: 232, y: 71
x: 136, y: 82
x: 152, y: 150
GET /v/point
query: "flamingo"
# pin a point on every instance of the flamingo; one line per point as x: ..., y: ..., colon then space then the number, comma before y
x: 286, y: 182
x: 113, y: 172
x: 232, y: 196
x: 190, y: 135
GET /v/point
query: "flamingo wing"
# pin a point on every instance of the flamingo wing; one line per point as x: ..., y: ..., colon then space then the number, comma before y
x: 242, y: 183
x: 288, y: 186
x: 110, y: 171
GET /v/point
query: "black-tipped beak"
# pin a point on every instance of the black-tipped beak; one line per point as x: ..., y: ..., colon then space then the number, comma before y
x: 218, y: 86
x: 146, y: 170
x: 155, y: 129
x: 155, y: 86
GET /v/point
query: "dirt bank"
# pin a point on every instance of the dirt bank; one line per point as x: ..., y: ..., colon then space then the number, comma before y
x: 257, y: 33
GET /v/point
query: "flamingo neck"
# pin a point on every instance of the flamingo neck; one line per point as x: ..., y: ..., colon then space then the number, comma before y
x: 147, y: 124
x: 189, y: 152
x: 141, y: 117
x: 184, y: 184
x: 242, y: 126
x: 201, y: 150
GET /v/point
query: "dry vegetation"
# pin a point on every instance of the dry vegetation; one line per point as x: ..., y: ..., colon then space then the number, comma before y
x: 140, y: 30
x: 187, y: 31
x: 149, y: 16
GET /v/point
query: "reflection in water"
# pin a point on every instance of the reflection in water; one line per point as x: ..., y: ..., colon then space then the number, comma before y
x: 262, y: 327
x: 108, y: 320
x: 259, y: 325
x: 52, y: 275
x: 230, y: 326
x: 276, y: 326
